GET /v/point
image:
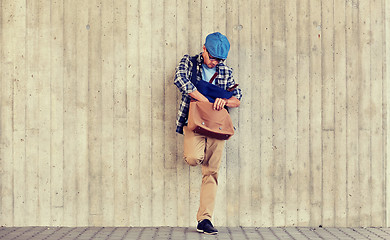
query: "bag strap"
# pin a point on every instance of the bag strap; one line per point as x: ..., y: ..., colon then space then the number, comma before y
x: 194, y: 71
x: 213, y: 77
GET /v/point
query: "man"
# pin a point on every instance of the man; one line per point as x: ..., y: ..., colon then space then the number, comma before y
x: 198, y: 149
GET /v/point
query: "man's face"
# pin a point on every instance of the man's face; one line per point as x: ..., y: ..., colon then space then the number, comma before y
x: 208, y: 59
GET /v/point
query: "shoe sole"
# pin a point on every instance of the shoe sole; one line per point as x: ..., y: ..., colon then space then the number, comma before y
x: 201, y: 231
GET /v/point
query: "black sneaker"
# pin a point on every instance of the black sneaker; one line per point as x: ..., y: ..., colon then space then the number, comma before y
x: 205, y: 226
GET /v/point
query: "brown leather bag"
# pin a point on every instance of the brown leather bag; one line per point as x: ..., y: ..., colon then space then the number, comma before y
x: 204, y: 120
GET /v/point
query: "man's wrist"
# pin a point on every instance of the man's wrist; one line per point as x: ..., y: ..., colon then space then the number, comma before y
x: 226, y: 102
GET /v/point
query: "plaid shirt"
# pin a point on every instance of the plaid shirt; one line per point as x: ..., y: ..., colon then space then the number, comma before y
x: 224, y: 80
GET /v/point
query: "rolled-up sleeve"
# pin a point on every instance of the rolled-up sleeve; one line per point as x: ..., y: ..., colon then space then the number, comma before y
x: 230, y: 83
x: 182, y: 77
x: 237, y: 94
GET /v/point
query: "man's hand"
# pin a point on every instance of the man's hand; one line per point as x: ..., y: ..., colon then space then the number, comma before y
x: 219, y: 104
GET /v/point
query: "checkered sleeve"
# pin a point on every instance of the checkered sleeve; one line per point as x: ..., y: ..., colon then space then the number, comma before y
x: 182, y: 77
x: 230, y: 83
x: 184, y: 84
x: 182, y: 115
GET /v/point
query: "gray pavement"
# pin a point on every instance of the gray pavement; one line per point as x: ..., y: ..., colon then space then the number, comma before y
x: 177, y: 233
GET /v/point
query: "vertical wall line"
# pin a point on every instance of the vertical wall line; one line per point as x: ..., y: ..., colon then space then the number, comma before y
x: 2, y: 146
x: 346, y: 115
x: 296, y: 103
x: 385, y: 107
x: 387, y: 60
x: 370, y: 129
x: 359, y: 101
x: 284, y: 160
x: 334, y: 110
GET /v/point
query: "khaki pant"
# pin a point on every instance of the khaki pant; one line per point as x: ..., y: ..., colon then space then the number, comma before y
x: 206, y: 151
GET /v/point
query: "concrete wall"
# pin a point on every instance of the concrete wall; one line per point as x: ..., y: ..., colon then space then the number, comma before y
x: 88, y: 110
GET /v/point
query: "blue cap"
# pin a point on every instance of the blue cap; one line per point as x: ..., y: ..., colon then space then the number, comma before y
x: 217, y: 45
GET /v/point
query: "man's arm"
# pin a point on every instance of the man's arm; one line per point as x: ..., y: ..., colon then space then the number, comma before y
x: 198, y: 96
x: 220, y: 103
x: 233, y: 102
